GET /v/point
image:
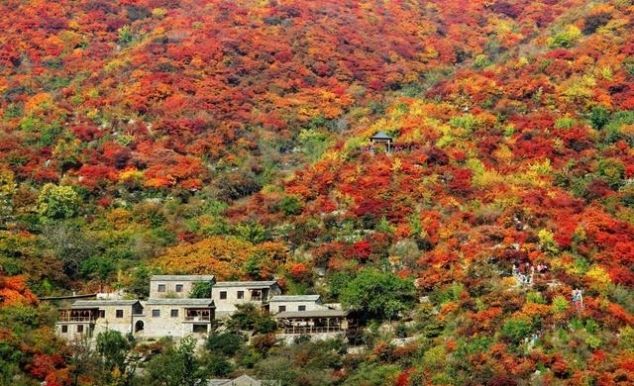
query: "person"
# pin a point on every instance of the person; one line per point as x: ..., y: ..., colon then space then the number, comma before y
x: 577, y: 298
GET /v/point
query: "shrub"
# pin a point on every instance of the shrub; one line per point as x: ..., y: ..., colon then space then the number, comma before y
x: 226, y: 343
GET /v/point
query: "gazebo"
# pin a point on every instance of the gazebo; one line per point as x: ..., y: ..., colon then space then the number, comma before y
x: 382, y: 139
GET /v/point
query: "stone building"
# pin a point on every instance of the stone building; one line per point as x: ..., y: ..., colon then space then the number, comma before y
x: 228, y: 294
x: 176, y: 286
x: 175, y: 317
x: 90, y: 317
x: 169, y: 312
x: 297, y: 303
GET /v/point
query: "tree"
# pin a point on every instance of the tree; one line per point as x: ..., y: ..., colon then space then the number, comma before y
x: 7, y: 190
x: 378, y: 294
x: 118, y: 363
x: 176, y: 366
x: 58, y: 202
x: 201, y: 290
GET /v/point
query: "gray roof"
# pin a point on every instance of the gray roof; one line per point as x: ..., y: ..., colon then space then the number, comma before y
x: 325, y: 313
x: 381, y: 135
x: 180, y: 302
x: 243, y: 380
x: 246, y: 284
x: 183, y: 277
x: 295, y: 298
x: 103, y: 303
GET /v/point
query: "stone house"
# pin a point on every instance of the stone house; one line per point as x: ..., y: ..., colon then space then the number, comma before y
x: 90, y: 317
x: 175, y: 286
x: 294, y: 303
x: 228, y: 294
x: 175, y: 317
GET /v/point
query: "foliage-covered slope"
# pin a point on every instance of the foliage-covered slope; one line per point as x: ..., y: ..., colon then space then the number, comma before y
x: 231, y: 137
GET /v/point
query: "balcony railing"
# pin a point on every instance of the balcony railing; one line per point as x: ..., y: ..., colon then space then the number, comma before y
x: 198, y: 318
x: 90, y: 319
x: 311, y: 330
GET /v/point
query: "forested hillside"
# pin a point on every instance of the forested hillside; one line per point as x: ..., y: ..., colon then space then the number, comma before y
x: 233, y: 138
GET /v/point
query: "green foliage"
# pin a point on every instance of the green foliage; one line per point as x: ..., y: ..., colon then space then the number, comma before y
x: 58, y: 202
x: 314, y: 142
x: 114, y: 352
x: 176, y: 366
x: 377, y: 294
x: 560, y: 304
x: 612, y: 171
x: 249, y: 318
x: 201, y: 290
x: 516, y: 329
x: 290, y: 205
x: 565, y: 38
x: 225, y: 343
x: 599, y: 117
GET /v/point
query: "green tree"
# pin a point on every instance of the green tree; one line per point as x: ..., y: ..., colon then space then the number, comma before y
x: 58, y: 202
x: 119, y: 364
x: 7, y: 190
x: 377, y: 294
x: 226, y: 343
x: 176, y: 366
x: 201, y: 290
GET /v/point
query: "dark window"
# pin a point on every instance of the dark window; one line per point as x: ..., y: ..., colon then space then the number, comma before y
x: 174, y: 313
x: 223, y: 294
x: 161, y: 288
x: 200, y: 328
x: 301, y: 308
x: 156, y: 313
x: 119, y: 314
x: 64, y: 329
x: 240, y: 294
x: 80, y: 328
x: 281, y: 308
x: 179, y: 288
x: 102, y: 313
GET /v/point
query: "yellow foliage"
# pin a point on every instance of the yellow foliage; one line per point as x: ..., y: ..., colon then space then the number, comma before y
x: 599, y: 279
x: 221, y: 256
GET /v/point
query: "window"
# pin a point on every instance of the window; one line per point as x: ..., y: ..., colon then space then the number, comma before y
x: 174, y: 313
x: 223, y: 294
x: 179, y: 288
x: 240, y: 294
x: 119, y: 313
x: 200, y: 328
x: 281, y: 308
x: 102, y: 313
x: 80, y: 328
x: 64, y: 329
x: 301, y: 308
x: 156, y: 313
x: 161, y: 288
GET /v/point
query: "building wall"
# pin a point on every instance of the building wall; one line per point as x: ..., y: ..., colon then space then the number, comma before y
x: 72, y: 332
x: 170, y: 288
x: 274, y: 307
x: 112, y: 322
x: 165, y: 324
x: 226, y: 307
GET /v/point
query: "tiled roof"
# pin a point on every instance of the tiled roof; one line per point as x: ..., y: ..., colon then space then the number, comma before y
x: 381, y: 135
x: 325, y: 313
x: 103, y: 303
x: 182, y: 278
x: 180, y: 302
x: 295, y: 298
x: 246, y: 284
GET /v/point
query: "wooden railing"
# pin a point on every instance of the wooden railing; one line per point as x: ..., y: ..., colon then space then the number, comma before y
x: 198, y: 318
x: 305, y: 330
x: 90, y: 319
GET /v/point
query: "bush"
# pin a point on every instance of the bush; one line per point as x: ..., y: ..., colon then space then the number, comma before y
x: 226, y: 343
x: 516, y: 329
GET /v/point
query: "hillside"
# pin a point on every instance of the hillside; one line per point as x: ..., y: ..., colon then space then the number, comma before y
x: 233, y: 138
